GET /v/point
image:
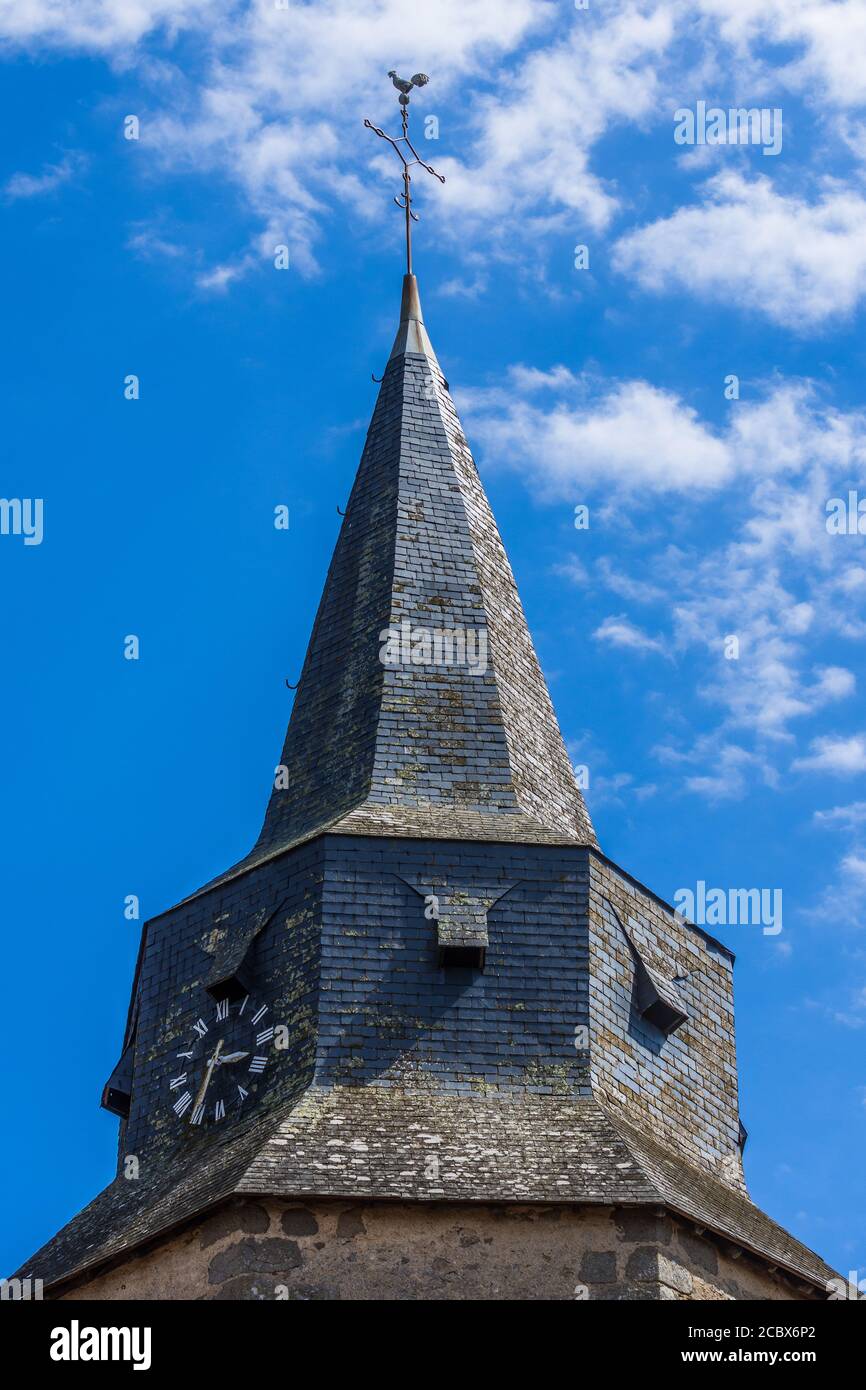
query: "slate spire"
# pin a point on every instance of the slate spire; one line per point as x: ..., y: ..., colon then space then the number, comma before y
x: 421, y: 708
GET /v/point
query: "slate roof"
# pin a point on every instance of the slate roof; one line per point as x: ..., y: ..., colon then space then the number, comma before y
x: 374, y: 1143
x: 422, y: 748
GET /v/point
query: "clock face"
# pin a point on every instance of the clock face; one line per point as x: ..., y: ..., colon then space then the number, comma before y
x: 224, y: 1063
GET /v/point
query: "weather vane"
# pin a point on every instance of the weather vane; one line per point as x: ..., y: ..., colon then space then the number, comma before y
x: 404, y: 199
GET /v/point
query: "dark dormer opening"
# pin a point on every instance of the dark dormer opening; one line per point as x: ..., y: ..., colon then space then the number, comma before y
x: 117, y: 1091
x: 233, y: 972
x: 461, y: 957
x: 231, y: 987
x: 655, y: 1000
x: 656, y: 996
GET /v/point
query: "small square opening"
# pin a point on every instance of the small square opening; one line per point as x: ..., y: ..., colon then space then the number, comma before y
x: 461, y: 957
x: 232, y: 987
x: 116, y: 1101
x: 664, y: 1016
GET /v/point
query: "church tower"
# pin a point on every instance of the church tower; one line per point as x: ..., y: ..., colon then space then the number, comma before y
x: 426, y: 1041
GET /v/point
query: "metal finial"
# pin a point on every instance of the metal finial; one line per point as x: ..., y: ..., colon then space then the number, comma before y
x: 404, y: 199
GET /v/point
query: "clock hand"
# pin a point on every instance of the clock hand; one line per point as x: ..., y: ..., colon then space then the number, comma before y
x: 231, y: 1057
x: 202, y: 1090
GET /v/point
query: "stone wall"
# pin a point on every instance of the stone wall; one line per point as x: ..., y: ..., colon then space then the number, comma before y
x: 270, y: 1250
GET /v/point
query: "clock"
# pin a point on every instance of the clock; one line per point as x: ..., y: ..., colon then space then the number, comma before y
x: 224, y: 1063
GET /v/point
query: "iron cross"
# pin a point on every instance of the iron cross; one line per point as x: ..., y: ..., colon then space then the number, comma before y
x: 404, y: 199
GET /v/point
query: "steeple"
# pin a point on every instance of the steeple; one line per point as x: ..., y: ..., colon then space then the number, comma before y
x: 421, y: 708
x: 461, y: 1010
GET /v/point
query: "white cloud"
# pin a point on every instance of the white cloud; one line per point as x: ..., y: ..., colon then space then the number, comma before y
x: 840, y: 755
x: 627, y: 586
x: 619, y: 632
x: 827, y: 39
x: 103, y: 25
x: 800, y: 263
x: 568, y: 432
x: 727, y: 767
x: 459, y: 287
x: 219, y: 277
x: 573, y: 431
x: 854, y: 867
x: 148, y: 243
x: 573, y: 570
x: 530, y: 155
x: 51, y: 177
x: 842, y: 904
x: 618, y: 789
x: 846, y: 817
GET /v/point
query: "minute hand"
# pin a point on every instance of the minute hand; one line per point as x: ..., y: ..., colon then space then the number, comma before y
x: 231, y: 1057
x: 202, y: 1090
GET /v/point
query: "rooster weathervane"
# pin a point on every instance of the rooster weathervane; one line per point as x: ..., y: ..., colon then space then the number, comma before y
x: 404, y: 199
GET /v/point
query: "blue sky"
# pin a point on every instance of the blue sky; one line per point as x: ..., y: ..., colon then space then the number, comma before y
x: 603, y: 387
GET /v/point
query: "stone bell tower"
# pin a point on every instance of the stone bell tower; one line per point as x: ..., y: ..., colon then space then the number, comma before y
x: 425, y: 1041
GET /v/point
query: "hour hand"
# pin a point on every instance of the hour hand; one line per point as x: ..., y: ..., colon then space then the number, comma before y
x: 231, y: 1057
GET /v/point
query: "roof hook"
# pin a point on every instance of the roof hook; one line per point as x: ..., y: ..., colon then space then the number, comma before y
x: 341, y: 513
x: 376, y: 378
x: 292, y: 687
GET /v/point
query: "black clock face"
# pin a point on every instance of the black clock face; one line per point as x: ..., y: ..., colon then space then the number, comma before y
x: 224, y: 1063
